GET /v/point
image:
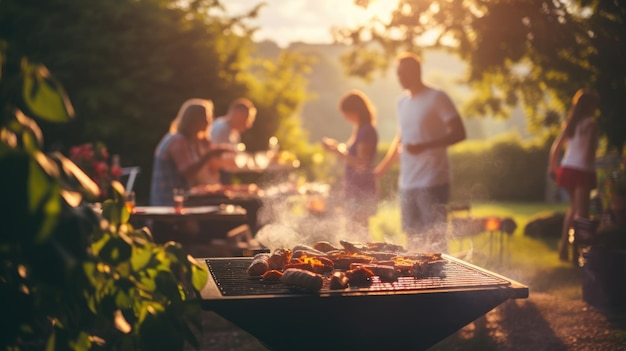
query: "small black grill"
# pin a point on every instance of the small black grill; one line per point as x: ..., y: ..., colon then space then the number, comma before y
x: 411, y: 313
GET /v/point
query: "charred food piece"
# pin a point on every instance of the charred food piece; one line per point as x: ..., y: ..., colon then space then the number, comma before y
x: 433, y: 268
x: 324, y: 246
x: 353, y: 246
x: 272, y: 276
x: 310, y: 253
x: 385, y: 247
x: 338, y: 281
x: 302, y: 279
x: 313, y: 264
x: 279, y: 258
x: 259, y: 264
x: 360, y: 276
x: 343, y: 260
x: 384, y: 272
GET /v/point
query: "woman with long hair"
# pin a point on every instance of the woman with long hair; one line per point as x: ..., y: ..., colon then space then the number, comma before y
x: 576, y: 172
x: 359, y: 155
x: 185, y: 157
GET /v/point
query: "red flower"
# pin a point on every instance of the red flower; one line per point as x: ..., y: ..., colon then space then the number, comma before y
x: 94, y: 161
x: 116, y: 172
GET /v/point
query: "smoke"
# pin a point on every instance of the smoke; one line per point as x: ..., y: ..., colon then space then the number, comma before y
x: 287, y: 220
x: 304, y: 219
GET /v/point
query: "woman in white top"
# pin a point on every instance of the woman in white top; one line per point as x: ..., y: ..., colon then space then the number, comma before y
x: 576, y: 173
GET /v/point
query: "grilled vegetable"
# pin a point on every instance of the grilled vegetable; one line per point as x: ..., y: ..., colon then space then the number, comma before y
x: 300, y: 278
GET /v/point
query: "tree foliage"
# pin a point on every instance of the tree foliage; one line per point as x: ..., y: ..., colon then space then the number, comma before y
x: 534, y: 52
x: 129, y: 65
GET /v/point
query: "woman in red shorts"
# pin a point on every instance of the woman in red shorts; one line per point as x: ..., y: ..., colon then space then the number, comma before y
x: 576, y: 173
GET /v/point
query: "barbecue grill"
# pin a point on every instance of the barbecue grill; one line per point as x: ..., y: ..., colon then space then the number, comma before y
x: 410, y: 313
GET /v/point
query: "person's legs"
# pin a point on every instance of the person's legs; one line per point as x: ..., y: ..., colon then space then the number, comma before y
x: 410, y: 215
x: 432, y: 203
x: 567, y: 223
x: 580, y: 209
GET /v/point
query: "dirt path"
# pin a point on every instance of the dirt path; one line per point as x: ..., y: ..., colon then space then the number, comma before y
x: 542, y: 322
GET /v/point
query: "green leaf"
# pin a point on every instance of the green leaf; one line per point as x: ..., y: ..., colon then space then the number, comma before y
x: 51, y: 341
x: 199, y: 275
x: 82, y: 343
x: 44, y: 97
x: 43, y: 197
x: 168, y: 286
x: 112, y: 212
x: 140, y: 258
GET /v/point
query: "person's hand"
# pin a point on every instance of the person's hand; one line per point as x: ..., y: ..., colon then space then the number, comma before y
x: 218, y: 151
x: 330, y: 144
x: 553, y: 173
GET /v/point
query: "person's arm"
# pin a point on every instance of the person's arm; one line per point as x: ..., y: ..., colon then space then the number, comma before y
x: 593, y: 145
x: 358, y: 161
x: 455, y: 132
x: 180, y: 152
x: 555, y: 150
x: 390, y: 157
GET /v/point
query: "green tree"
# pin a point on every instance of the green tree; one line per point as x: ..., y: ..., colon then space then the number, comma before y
x: 533, y: 52
x: 129, y: 64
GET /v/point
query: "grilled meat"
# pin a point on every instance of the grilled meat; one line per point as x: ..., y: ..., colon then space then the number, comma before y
x: 343, y: 260
x: 360, y: 276
x: 353, y: 247
x: 324, y: 246
x: 302, y: 279
x: 338, y: 280
x: 385, y: 273
x: 259, y: 264
x: 385, y: 247
x: 272, y: 276
x: 279, y: 258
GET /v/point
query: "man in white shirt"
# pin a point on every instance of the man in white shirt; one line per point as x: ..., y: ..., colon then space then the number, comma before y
x: 428, y: 122
x: 239, y: 118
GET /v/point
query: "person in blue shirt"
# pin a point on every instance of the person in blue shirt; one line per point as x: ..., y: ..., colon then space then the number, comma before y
x: 359, y: 155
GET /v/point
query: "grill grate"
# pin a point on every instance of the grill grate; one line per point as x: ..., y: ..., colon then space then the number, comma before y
x: 232, y: 280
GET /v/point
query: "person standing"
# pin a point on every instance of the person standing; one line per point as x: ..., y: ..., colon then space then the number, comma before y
x: 359, y: 155
x: 184, y: 157
x: 239, y: 118
x: 576, y: 173
x: 428, y: 123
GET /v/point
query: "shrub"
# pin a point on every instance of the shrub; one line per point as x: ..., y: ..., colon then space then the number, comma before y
x: 72, y: 278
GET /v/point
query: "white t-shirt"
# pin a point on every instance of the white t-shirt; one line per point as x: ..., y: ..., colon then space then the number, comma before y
x: 578, y: 154
x: 221, y: 133
x: 423, y: 118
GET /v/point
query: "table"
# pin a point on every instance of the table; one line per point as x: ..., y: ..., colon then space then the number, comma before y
x: 262, y: 176
x: 200, y: 229
x: 200, y: 213
x: 245, y: 196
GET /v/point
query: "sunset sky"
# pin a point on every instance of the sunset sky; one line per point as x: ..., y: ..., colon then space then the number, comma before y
x: 285, y: 21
